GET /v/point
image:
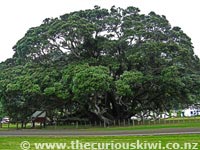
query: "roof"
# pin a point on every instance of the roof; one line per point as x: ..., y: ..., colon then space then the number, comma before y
x: 39, y: 114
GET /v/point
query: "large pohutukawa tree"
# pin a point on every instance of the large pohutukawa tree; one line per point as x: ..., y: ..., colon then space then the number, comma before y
x: 104, y: 64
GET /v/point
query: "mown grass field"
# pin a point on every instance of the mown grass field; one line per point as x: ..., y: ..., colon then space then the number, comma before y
x: 13, y: 143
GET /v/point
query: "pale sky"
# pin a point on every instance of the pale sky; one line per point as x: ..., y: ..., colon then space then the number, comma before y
x: 17, y: 16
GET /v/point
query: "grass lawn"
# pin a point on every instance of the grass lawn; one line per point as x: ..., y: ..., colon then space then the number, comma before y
x: 13, y: 143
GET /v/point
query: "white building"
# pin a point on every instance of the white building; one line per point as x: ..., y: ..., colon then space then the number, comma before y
x: 190, y: 112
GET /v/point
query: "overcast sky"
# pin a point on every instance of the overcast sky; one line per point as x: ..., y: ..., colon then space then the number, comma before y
x: 17, y: 16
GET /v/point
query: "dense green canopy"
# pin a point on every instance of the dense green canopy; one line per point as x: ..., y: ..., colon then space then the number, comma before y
x: 102, y: 65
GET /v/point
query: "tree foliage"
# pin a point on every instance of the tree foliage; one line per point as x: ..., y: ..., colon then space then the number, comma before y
x: 100, y: 64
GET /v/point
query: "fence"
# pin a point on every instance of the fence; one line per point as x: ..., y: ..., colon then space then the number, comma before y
x: 128, y: 122
x: 115, y: 123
